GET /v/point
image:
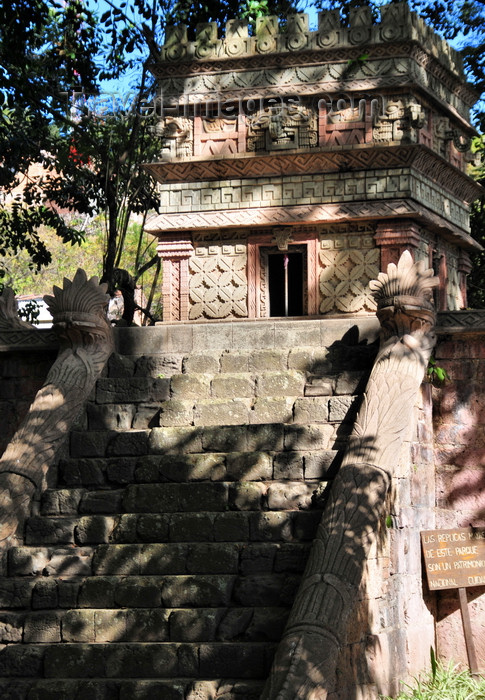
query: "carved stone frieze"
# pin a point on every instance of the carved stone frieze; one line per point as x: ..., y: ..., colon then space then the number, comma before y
x: 396, y: 24
x: 176, y: 135
x: 461, y: 320
x: 282, y: 127
x: 344, y: 278
x: 86, y: 342
x: 218, y: 284
x: 310, y: 213
x: 319, y: 622
x: 401, y: 122
x: 318, y: 190
x: 345, y: 158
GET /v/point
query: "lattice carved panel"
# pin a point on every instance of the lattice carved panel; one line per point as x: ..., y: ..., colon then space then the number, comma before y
x: 345, y: 274
x: 218, y: 285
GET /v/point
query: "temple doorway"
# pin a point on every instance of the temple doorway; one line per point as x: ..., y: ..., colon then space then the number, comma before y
x: 286, y: 281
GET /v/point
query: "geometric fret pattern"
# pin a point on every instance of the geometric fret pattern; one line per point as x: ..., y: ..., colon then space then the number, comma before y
x: 218, y: 287
x: 344, y: 280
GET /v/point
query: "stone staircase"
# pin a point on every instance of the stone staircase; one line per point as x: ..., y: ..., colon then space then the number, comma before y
x: 164, y: 558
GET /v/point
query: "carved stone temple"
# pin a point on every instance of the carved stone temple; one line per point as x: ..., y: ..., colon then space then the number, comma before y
x: 333, y: 150
x: 228, y: 505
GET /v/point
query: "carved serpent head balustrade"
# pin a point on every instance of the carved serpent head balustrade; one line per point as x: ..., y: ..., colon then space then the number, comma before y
x: 306, y: 660
x: 86, y: 342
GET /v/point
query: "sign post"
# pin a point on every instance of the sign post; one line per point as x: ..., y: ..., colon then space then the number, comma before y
x: 456, y: 559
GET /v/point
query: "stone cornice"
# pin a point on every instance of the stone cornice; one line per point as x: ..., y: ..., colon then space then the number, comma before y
x: 346, y: 158
x: 168, y: 71
x: 166, y: 224
x: 397, y: 24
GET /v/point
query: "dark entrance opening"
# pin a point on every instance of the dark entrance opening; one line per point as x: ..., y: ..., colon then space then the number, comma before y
x: 285, y: 284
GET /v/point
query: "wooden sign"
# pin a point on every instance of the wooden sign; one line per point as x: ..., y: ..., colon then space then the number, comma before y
x: 454, y: 558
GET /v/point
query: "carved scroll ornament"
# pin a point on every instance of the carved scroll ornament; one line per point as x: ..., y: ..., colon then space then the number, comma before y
x: 86, y: 342
x: 306, y: 659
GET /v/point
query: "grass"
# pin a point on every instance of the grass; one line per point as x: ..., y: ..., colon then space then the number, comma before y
x: 445, y: 683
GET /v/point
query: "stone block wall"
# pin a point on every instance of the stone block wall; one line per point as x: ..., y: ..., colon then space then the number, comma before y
x: 24, y: 364
x: 459, y: 427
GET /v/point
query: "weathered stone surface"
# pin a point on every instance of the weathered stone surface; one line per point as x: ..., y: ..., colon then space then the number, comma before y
x: 11, y: 628
x: 247, y: 495
x: 265, y: 437
x: 268, y: 360
x: 131, y: 443
x: 153, y: 527
x: 41, y: 530
x: 271, y: 527
x: 194, y: 625
x: 90, y: 444
x: 120, y: 366
x: 235, y: 361
x: 132, y: 390
x: 201, y: 363
x: 308, y: 437
x: 176, y: 412
x: 351, y: 382
x: 249, y: 466
x: 197, y: 591
x: 288, y: 465
x: 241, y: 661
x: 94, y: 529
x: 224, y: 439
x: 102, y: 502
x: 231, y: 527
x: 19, y: 661
x: 147, y: 690
x: 222, y: 412
x: 233, y: 386
x: 321, y: 464
x: 158, y: 366
x: 342, y: 408
x: 311, y: 410
x: 272, y: 410
x: 78, y: 626
x: 191, y: 386
x: 289, y: 496
x: 138, y: 593
x: 146, y: 416
x: 110, y: 416
x: 282, y: 383
x: 82, y: 472
x: 151, y: 498
x: 175, y: 439
x: 45, y: 594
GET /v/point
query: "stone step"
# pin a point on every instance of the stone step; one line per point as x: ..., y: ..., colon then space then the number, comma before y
x: 223, y: 400
x: 141, y: 689
x: 242, y: 526
x: 138, y: 660
x: 187, y: 439
x: 216, y: 496
x: 158, y: 559
x: 316, y: 358
x: 183, y: 591
x: 121, y: 625
x: 261, y: 465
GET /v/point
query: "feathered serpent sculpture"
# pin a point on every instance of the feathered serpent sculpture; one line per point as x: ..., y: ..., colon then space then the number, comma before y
x: 86, y: 342
x: 306, y: 660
